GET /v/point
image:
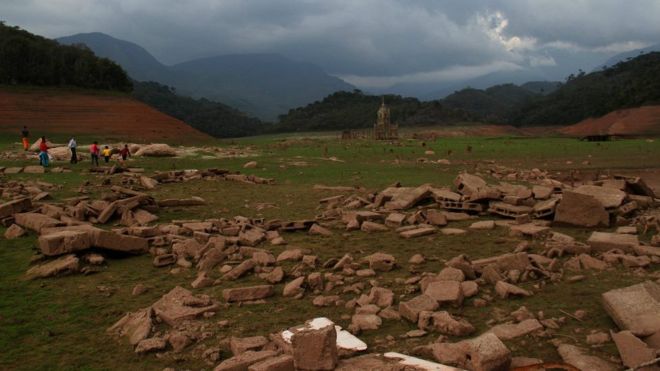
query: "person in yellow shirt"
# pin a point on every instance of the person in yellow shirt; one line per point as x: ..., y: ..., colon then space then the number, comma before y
x: 107, y: 152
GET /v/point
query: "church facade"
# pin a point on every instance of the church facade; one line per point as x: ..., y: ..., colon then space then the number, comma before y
x: 384, y: 129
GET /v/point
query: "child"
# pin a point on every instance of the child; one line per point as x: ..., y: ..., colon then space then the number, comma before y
x: 24, y: 137
x: 94, y: 151
x: 43, y: 152
x: 107, y: 152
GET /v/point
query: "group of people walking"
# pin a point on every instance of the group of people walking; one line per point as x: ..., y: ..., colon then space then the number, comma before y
x: 94, y: 150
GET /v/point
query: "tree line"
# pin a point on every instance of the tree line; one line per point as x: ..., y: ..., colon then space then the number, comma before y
x: 28, y: 59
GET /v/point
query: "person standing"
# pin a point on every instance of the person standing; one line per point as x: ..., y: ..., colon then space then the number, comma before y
x: 43, y: 152
x: 25, y: 134
x: 72, y: 147
x: 107, y: 152
x: 94, y: 151
x: 124, y: 153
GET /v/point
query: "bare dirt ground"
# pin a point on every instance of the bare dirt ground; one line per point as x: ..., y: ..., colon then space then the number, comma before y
x: 44, y: 111
x: 627, y: 122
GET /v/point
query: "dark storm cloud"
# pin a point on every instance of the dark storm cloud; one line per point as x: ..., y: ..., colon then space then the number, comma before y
x: 368, y: 42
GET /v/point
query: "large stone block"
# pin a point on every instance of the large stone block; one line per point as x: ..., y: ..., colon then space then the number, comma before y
x: 315, y: 349
x: 64, y: 242
x: 581, y: 210
x: 247, y: 293
x: 635, y: 308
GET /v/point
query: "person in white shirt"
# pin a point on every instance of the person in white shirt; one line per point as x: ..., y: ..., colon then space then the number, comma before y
x: 72, y: 147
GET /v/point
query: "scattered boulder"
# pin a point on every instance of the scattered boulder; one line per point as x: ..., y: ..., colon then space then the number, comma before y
x: 14, y: 231
x: 635, y: 308
x: 410, y: 309
x: 156, y: 150
x: 508, y: 331
x: 381, y: 262
x: 315, y: 349
x: 136, y: 326
x: 247, y: 293
x: 444, y: 323
x: 504, y: 290
x: 180, y: 304
x: 577, y: 358
x: 581, y: 210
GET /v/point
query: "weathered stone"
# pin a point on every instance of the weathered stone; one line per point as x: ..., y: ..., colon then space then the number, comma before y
x: 576, y: 357
x: 201, y: 281
x: 294, y: 287
x: 290, y: 255
x: 395, y: 220
x: 10, y: 208
x: 589, y: 262
x: 444, y: 323
x: 463, y: 263
x: 180, y: 304
x: 512, y: 331
x: 63, y: 264
x: 283, y: 362
x: 381, y: 296
x: 274, y: 276
x: 469, y: 288
x: 452, y: 231
x: 451, y: 274
x: 445, y: 292
x: 371, y: 227
x: 239, y: 270
x: 418, y: 232
x: 598, y: 338
x: 211, y: 258
x: 179, y: 340
x: 64, y: 242
x: 136, y: 326
x: 247, y: 293
x: 381, y: 262
x: 609, y: 197
x: 633, y: 351
x: 483, y: 225
x: 410, y: 309
x: 251, y: 237
x: 361, y: 322
x: 14, y: 231
x: 148, y: 183
x: 35, y: 222
x: 244, y: 360
x: 635, y: 308
x: 315, y: 349
x: 164, y: 260
x: 417, y: 259
x: 150, y: 345
x: 603, y: 241
x: 242, y: 345
x: 316, y: 229
x: 483, y: 353
x: 117, y: 242
x: 504, y: 290
x: 581, y: 210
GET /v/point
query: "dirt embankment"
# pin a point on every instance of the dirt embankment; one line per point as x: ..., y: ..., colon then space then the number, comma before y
x: 627, y: 122
x: 53, y: 111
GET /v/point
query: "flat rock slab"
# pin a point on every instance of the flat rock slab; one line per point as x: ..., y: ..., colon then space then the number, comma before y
x: 635, y: 308
x: 180, y: 304
x: 511, y: 331
x: 609, y: 197
x: 603, y: 241
x: 346, y: 342
x: 64, y: 242
x: 418, y: 232
x: 633, y: 351
x: 529, y: 229
x: 35, y: 221
x: 63, y: 264
x: 577, y: 357
x: 581, y: 210
x: 247, y: 293
x: 16, y: 206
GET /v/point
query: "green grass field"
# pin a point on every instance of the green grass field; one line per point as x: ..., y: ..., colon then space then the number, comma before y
x: 60, y: 323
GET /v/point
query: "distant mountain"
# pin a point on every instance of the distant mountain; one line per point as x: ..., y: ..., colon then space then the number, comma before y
x: 621, y: 57
x: 492, y: 104
x: 140, y: 65
x: 264, y: 85
x: 202, y: 114
x: 632, y: 83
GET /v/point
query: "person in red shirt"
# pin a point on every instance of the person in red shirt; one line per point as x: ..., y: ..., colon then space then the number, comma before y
x: 94, y: 151
x: 43, y: 152
x: 124, y: 153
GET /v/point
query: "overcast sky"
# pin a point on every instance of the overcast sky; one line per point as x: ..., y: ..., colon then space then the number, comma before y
x: 372, y: 43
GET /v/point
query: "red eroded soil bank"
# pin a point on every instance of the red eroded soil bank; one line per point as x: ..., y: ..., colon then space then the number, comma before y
x: 54, y: 111
x: 629, y: 122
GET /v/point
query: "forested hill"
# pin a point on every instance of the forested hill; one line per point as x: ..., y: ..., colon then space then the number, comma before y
x: 28, y: 59
x: 627, y: 84
x: 213, y: 118
x: 354, y: 110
